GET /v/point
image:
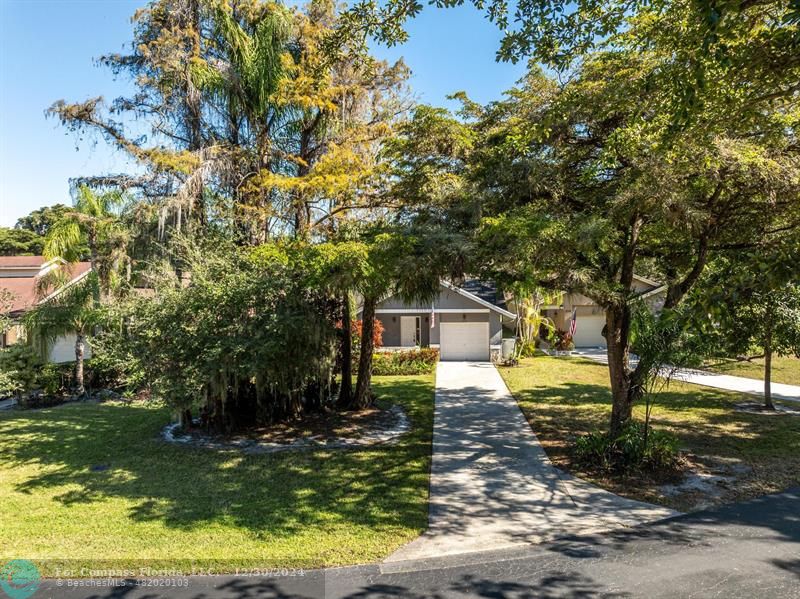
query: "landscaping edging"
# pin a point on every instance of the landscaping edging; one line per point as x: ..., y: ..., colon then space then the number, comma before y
x: 378, y: 436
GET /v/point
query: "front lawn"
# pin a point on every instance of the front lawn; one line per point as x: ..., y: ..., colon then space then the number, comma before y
x: 566, y: 397
x: 784, y: 369
x: 88, y: 485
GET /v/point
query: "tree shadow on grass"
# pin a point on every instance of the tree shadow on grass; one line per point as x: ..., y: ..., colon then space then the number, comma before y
x: 114, y: 451
x: 704, y: 420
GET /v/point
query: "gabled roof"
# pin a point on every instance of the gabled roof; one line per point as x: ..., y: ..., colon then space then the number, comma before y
x: 654, y: 291
x: 486, y: 289
x: 479, y: 300
x: 24, y: 288
x: 21, y: 261
x: 646, y: 281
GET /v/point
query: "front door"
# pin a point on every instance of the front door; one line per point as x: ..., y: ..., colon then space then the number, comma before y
x: 409, y: 331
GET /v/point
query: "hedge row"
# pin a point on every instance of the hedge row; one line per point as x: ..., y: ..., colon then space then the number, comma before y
x: 414, y: 361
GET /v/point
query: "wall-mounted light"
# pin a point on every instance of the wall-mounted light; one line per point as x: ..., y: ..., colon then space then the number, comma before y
x: 394, y: 318
x: 464, y: 316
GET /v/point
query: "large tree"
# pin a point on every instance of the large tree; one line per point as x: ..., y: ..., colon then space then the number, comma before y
x: 586, y: 183
x: 749, y: 305
x: 711, y: 41
x: 19, y: 242
x: 256, y: 129
x: 40, y: 220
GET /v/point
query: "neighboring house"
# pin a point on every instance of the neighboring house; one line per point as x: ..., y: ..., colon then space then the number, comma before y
x: 21, y: 276
x: 591, y: 318
x: 466, y: 322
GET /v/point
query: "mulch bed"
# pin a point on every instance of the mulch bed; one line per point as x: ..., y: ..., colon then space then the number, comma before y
x: 328, y: 429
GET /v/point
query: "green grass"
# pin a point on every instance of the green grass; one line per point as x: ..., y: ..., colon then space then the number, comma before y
x: 784, y: 369
x: 164, y: 505
x: 566, y: 397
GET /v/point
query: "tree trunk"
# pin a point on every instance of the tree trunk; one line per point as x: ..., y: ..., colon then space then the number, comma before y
x: 768, y: 368
x: 622, y: 393
x: 185, y: 419
x: 346, y: 352
x: 94, y: 261
x: 362, y: 395
x: 79, y: 349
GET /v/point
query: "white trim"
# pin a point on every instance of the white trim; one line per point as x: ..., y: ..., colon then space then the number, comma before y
x: 646, y: 280
x: 478, y: 300
x: 452, y: 287
x: 653, y: 292
x: 65, y: 287
x: 436, y: 310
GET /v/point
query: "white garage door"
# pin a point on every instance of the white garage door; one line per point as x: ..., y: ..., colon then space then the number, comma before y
x: 464, y: 341
x: 589, y: 332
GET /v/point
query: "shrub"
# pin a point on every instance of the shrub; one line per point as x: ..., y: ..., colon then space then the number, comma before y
x: 107, y: 371
x: 377, y: 332
x: 631, y: 450
x: 561, y: 340
x: 250, y: 341
x: 20, y: 366
x: 415, y: 361
x: 527, y: 349
x: 55, y: 378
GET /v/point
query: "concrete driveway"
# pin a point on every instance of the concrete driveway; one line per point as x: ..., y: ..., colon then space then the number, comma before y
x: 492, y: 485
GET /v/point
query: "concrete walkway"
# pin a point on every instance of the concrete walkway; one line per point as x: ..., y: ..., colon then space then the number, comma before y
x: 712, y: 379
x: 492, y: 485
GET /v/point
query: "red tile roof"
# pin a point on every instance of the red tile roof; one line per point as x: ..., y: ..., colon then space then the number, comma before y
x: 21, y: 261
x: 24, y: 289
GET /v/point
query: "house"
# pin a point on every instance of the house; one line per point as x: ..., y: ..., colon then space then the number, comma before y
x: 465, y: 322
x: 21, y: 276
x: 469, y: 321
x: 591, y: 318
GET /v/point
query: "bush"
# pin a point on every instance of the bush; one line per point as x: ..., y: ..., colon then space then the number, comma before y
x: 415, y: 361
x: 55, y: 378
x: 628, y: 452
x: 107, y: 371
x: 561, y: 340
x: 251, y: 341
x: 356, y: 327
x: 20, y: 366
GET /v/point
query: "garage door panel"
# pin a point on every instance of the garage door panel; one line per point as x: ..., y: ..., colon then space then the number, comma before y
x: 589, y: 332
x: 464, y: 341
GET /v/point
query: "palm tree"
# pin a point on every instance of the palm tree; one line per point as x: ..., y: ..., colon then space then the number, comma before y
x: 72, y: 310
x: 93, y: 222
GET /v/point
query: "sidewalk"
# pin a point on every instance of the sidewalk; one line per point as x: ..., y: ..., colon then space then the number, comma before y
x: 711, y: 379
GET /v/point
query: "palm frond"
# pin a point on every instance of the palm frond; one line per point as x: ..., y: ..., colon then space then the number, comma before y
x: 71, y: 310
x: 64, y: 240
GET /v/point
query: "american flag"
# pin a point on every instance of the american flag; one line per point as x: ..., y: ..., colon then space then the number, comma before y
x: 573, y: 323
x: 433, y: 317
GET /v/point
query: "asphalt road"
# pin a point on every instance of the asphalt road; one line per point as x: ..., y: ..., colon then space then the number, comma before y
x: 749, y: 549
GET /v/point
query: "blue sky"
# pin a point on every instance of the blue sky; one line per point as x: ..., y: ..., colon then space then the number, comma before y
x: 47, y: 52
